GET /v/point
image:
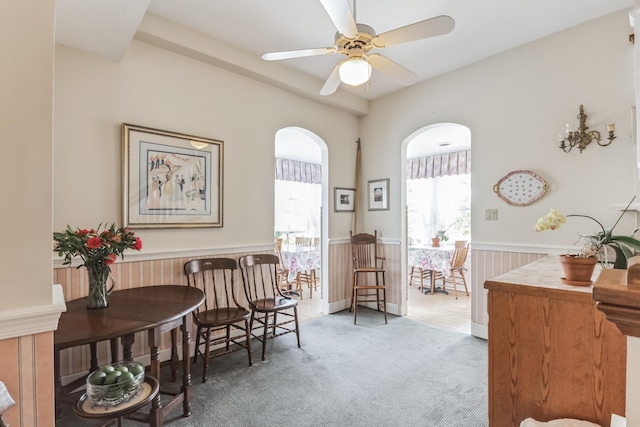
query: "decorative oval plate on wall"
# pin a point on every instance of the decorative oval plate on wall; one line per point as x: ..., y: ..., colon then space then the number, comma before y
x: 521, y: 188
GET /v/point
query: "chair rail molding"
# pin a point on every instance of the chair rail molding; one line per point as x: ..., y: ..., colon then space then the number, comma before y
x: 34, y: 319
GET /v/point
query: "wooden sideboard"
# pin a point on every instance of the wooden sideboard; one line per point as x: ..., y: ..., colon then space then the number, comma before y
x: 552, y: 354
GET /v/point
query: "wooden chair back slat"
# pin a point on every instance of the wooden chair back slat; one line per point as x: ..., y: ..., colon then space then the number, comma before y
x: 216, y: 278
x: 461, y: 244
x: 364, y: 250
x: 259, y: 276
x: 459, y: 257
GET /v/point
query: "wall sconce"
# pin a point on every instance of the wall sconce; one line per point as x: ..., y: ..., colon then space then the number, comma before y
x: 581, y: 138
x: 199, y: 145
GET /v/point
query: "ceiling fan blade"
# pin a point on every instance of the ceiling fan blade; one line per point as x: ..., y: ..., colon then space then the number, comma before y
x: 341, y: 16
x: 332, y: 83
x: 420, y: 30
x: 391, y: 69
x: 275, y: 56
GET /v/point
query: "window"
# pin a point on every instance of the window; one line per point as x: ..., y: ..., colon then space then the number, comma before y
x: 439, y: 203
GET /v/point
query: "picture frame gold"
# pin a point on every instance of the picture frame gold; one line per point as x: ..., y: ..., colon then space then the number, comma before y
x: 170, y: 179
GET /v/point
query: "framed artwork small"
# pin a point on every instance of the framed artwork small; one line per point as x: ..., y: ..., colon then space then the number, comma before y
x: 171, y: 180
x: 379, y: 195
x: 344, y: 199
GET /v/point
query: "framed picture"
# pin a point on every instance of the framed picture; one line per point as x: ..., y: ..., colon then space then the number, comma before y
x: 379, y: 195
x: 170, y: 180
x: 344, y: 199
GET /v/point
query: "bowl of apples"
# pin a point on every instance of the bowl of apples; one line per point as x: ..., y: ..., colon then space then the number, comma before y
x: 114, y: 384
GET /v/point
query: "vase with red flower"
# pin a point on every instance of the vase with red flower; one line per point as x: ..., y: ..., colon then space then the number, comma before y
x: 98, y: 296
x: 98, y: 249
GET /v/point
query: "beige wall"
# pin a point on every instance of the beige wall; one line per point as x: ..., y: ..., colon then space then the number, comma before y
x: 26, y: 102
x: 26, y: 118
x: 155, y: 88
x: 515, y: 104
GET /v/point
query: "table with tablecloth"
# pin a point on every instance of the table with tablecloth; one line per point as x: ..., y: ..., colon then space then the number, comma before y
x: 434, y: 259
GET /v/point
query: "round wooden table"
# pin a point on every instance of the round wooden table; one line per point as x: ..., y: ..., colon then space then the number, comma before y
x: 154, y: 309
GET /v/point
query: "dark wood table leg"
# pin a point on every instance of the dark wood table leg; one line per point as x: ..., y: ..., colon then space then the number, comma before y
x: 93, y: 347
x: 114, y: 350
x: 127, y: 347
x: 174, y: 354
x: 156, y: 414
x: 186, y: 366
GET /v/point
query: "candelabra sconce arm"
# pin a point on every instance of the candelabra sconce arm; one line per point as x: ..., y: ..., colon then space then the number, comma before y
x: 581, y: 138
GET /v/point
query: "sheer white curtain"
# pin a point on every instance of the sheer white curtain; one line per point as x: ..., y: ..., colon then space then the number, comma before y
x: 297, y: 208
x: 437, y: 204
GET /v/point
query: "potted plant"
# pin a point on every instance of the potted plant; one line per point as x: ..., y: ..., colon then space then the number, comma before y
x: 594, y: 246
x: 441, y: 236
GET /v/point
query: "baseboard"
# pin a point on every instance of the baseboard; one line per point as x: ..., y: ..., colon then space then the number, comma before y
x: 337, y: 306
x: 479, y: 330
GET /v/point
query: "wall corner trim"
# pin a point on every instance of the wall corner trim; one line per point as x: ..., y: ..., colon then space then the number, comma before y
x: 32, y: 320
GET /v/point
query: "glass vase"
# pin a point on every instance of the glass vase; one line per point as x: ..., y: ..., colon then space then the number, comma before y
x: 98, y: 293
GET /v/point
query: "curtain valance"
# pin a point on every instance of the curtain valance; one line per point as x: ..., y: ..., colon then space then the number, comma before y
x: 458, y: 163
x: 297, y: 171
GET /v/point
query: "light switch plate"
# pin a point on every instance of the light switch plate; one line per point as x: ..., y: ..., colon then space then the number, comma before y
x: 491, y: 214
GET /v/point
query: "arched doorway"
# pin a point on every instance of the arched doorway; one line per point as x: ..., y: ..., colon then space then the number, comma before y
x: 436, y: 196
x: 301, y: 198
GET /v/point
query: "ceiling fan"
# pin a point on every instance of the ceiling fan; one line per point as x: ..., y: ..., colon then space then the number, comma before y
x: 355, y: 41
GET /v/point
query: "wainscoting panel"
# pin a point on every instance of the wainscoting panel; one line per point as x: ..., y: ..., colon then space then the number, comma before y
x: 486, y: 264
x: 341, y: 266
x: 25, y: 359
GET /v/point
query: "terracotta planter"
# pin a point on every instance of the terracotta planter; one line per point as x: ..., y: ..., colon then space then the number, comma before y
x: 435, y: 242
x: 577, y: 271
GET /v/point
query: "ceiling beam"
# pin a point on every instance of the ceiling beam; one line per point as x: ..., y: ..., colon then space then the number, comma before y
x: 179, y: 39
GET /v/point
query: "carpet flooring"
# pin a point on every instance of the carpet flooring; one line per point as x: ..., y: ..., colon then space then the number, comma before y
x: 405, y: 373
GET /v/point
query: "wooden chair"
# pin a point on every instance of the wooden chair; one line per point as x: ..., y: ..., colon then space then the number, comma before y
x: 456, y: 267
x: 422, y: 274
x: 303, y: 241
x: 220, y: 311
x: 283, y: 274
x: 269, y: 307
x: 306, y: 277
x: 366, y: 262
x: 461, y: 244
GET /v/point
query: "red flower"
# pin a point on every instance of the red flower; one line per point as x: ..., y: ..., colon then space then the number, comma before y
x: 82, y: 232
x: 138, y: 244
x: 110, y: 259
x: 94, y: 242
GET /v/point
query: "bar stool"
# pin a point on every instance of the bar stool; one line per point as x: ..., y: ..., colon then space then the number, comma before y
x: 114, y: 415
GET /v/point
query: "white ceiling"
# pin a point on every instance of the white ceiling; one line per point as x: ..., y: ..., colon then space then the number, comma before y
x: 483, y: 28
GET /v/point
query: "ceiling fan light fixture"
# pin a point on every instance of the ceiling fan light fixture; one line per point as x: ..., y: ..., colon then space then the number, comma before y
x: 355, y: 71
